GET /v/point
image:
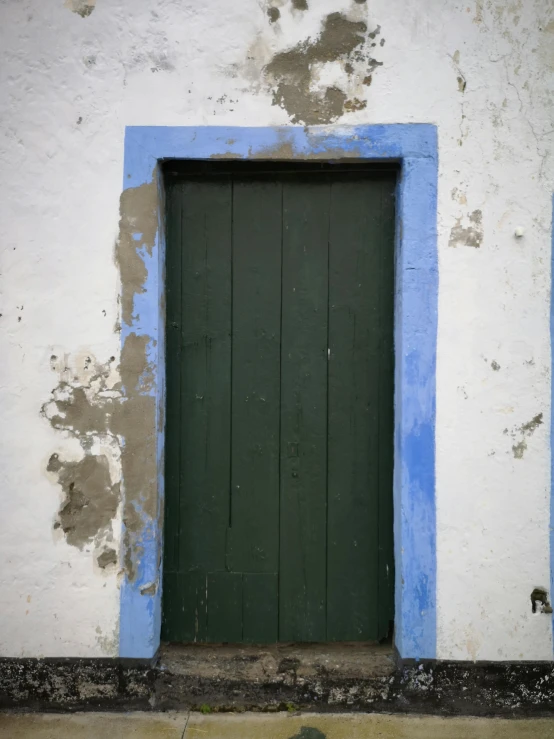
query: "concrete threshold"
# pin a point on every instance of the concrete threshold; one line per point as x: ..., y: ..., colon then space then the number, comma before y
x: 271, y: 677
x: 343, y: 661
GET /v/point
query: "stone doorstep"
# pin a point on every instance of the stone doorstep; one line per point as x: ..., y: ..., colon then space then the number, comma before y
x: 270, y: 678
x: 279, y: 662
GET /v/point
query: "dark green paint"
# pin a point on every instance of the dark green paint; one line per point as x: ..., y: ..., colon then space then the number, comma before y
x: 386, y: 413
x: 260, y: 593
x: 173, y: 383
x: 253, y: 538
x: 279, y: 446
x: 205, y: 394
x: 302, y: 587
x: 353, y: 411
x: 184, y: 616
x: 224, y: 598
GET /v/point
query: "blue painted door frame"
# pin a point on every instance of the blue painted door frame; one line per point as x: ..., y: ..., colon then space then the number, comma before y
x: 414, y: 146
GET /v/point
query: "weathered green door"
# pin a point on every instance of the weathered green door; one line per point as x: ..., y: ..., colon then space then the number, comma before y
x: 279, y: 437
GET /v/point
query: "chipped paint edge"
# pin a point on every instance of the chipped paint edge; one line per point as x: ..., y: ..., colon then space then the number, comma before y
x: 415, y: 147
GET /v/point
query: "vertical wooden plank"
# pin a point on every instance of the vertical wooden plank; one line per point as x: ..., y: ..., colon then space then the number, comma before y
x: 260, y: 607
x: 302, y: 588
x: 224, y: 606
x: 253, y: 537
x: 192, y: 592
x: 205, y: 374
x: 353, y: 458
x: 173, y: 372
x: 200, y: 597
x: 184, y: 614
x: 171, y: 607
x: 386, y: 408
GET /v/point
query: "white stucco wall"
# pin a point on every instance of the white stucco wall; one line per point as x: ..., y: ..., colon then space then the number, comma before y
x: 481, y: 70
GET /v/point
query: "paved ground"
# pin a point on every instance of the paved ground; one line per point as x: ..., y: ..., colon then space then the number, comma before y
x: 264, y: 726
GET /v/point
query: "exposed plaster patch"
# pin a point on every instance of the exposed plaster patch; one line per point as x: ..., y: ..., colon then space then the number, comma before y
x: 355, y: 104
x: 526, y: 430
x: 529, y: 428
x: 519, y: 449
x: 91, y: 498
x: 82, y: 7
x: 149, y: 589
x: 136, y: 423
x: 138, y: 215
x: 459, y: 196
x: 120, y: 418
x: 471, y: 235
x: 107, y: 558
x: 284, y: 150
x: 112, y: 411
x: 137, y: 426
x: 293, y: 73
x: 81, y: 405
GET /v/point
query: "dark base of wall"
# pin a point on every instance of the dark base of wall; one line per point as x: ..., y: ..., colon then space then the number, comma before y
x: 265, y: 680
x: 74, y: 685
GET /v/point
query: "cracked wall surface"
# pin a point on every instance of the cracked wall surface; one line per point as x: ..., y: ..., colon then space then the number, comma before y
x: 78, y: 466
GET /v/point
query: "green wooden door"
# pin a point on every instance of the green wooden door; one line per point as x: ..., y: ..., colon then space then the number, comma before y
x: 279, y: 434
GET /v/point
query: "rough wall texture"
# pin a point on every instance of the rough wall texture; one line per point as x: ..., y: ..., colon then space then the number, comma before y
x: 73, y: 74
